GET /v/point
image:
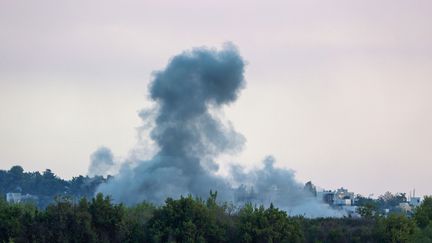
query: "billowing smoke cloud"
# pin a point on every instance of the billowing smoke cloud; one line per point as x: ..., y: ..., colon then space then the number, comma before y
x: 278, y: 186
x: 189, y: 136
x: 101, y: 162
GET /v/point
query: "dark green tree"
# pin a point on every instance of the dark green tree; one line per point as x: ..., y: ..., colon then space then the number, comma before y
x: 107, y: 219
x: 9, y: 221
x: 396, y: 228
x: 267, y: 225
x: 423, y: 213
x: 136, y: 218
x: 368, y: 210
x: 189, y: 219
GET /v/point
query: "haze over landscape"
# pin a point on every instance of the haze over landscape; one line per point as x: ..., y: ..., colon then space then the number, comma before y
x: 339, y: 92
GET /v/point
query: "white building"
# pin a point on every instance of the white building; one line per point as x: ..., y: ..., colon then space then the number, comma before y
x: 13, y: 197
x: 17, y: 197
x: 343, y: 197
x: 340, y: 197
x: 405, y: 207
x: 326, y: 196
x: 414, y: 201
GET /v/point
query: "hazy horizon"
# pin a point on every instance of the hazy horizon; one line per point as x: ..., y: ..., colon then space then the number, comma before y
x: 338, y: 91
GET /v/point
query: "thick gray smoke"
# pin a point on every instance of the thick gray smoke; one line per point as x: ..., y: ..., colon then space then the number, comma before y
x: 101, y: 162
x: 189, y: 136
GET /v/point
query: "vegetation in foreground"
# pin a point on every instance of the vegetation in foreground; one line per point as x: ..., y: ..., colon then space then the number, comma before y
x: 191, y: 219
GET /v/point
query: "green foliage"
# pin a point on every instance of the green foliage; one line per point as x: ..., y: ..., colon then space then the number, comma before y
x: 189, y: 220
x: 423, y: 213
x: 64, y: 221
x: 46, y: 185
x: 338, y: 229
x: 136, y: 218
x: 423, y: 235
x: 258, y: 224
x: 367, y: 210
x: 9, y: 221
x: 390, y: 201
x: 107, y: 219
x: 396, y: 228
x: 423, y: 219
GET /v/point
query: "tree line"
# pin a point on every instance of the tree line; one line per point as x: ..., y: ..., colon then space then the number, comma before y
x: 190, y: 219
x: 47, y: 185
x: 66, y: 211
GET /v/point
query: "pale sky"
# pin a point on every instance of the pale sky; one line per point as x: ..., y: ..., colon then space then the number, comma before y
x: 338, y: 91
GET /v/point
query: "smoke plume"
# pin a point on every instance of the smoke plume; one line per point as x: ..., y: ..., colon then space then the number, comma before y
x: 101, y: 162
x: 189, y: 136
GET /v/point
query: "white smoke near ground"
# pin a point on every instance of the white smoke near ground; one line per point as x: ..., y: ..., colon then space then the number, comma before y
x: 189, y: 136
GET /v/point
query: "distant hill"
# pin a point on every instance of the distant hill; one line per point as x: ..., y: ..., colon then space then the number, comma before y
x: 46, y: 185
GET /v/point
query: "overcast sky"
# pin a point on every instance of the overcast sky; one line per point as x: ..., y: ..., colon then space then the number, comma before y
x: 339, y: 91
